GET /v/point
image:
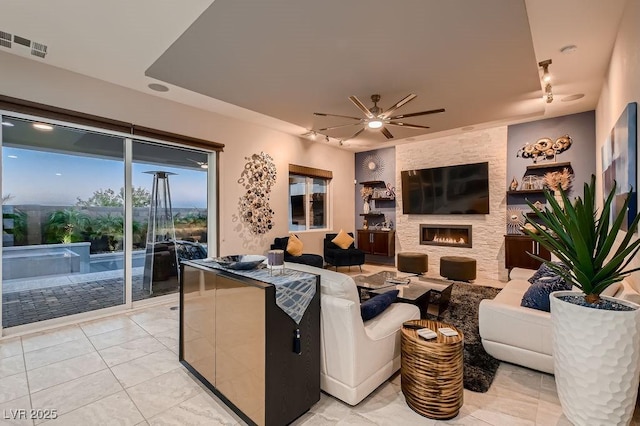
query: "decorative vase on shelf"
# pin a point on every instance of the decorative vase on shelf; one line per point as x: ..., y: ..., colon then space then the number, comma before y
x: 558, y: 196
x: 366, y: 208
x: 514, y: 184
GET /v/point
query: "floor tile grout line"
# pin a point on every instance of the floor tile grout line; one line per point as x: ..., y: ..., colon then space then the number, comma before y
x: 26, y: 377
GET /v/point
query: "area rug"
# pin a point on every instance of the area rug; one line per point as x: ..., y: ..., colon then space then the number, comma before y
x: 479, y: 367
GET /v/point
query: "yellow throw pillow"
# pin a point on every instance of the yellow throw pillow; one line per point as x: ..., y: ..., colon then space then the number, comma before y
x: 294, y: 246
x: 342, y: 240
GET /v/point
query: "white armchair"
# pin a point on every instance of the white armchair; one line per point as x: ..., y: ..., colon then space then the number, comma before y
x: 356, y: 356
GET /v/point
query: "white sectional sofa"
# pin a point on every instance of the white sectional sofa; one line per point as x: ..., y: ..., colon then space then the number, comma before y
x: 355, y: 356
x: 522, y: 336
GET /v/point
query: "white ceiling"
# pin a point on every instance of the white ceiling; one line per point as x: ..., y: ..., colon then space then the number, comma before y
x: 275, y: 62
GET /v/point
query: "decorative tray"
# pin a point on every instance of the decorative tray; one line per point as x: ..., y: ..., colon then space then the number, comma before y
x: 240, y: 261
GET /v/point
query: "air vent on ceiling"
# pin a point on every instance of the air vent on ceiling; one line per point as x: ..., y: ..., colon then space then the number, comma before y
x: 38, y: 49
x: 5, y: 39
x: 21, y: 40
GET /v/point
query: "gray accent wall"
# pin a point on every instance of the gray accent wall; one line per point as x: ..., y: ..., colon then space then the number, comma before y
x: 582, y: 154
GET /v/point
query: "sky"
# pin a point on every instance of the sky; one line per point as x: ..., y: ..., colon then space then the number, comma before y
x: 46, y: 178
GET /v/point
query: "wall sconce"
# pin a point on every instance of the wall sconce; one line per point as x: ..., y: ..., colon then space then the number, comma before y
x: 546, y: 79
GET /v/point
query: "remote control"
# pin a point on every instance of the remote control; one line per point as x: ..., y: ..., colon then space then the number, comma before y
x: 412, y: 326
x: 447, y: 331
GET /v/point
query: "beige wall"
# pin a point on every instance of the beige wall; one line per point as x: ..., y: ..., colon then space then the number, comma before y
x: 30, y: 80
x: 622, y: 84
x: 487, y: 230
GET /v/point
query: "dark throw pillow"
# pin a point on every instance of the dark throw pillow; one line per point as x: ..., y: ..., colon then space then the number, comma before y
x: 537, y: 295
x: 377, y: 304
x: 544, y: 271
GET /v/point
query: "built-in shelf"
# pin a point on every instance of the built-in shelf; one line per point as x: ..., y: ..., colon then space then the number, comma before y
x: 383, y: 199
x: 566, y: 164
x: 526, y: 191
x: 374, y: 183
x: 371, y: 214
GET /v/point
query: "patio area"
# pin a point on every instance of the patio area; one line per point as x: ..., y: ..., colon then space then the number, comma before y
x: 26, y: 301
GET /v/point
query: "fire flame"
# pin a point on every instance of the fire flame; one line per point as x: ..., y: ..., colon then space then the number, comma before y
x: 460, y: 240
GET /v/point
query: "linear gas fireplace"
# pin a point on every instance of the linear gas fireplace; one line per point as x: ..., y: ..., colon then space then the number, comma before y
x: 446, y: 235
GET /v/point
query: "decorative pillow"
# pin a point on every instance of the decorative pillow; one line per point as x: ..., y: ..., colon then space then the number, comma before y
x: 537, y: 295
x: 294, y: 246
x: 376, y: 305
x: 343, y: 240
x: 545, y: 271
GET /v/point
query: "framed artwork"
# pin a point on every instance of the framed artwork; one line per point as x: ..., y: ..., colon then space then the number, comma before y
x: 619, y: 158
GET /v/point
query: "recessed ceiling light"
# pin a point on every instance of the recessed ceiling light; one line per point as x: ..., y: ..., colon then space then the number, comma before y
x: 568, y: 49
x: 572, y: 97
x: 7, y: 124
x: 158, y: 87
x: 42, y: 126
x: 12, y: 156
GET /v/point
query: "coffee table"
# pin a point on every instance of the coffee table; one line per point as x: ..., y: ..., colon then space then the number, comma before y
x: 367, y: 284
x: 421, y: 292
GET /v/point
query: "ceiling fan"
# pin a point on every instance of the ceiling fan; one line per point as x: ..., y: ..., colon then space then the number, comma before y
x: 376, y: 118
x: 202, y: 164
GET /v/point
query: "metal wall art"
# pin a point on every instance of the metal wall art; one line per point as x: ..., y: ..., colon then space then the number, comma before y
x: 257, y: 178
x: 373, y: 164
x: 545, y: 148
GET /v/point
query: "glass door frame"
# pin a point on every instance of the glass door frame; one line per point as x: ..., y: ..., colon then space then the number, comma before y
x: 129, y: 304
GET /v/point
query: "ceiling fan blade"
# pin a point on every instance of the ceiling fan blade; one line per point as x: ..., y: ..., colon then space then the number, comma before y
x: 355, y: 135
x: 322, y: 114
x: 361, y: 106
x: 415, y: 114
x: 386, y: 133
x: 337, y: 127
x: 408, y: 126
x: 398, y: 104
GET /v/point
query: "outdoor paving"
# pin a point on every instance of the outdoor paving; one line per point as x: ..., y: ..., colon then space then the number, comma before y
x: 37, y: 304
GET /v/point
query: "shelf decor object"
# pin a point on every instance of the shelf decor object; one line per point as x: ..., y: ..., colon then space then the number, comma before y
x: 515, y: 221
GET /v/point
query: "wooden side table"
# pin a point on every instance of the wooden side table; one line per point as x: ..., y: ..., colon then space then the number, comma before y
x: 431, y: 371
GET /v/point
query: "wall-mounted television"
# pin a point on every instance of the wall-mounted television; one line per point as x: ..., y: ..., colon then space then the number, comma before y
x: 460, y: 189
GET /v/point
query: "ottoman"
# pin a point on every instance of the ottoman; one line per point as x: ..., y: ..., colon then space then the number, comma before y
x: 415, y: 263
x: 458, y: 268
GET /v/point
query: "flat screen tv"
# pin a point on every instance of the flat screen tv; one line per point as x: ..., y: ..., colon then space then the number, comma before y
x: 460, y: 189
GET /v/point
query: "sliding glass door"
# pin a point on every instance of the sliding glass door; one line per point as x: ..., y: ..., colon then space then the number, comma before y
x: 63, y: 223
x: 172, y: 225
x: 95, y: 220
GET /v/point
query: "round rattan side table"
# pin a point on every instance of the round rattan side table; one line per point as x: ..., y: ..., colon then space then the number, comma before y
x: 431, y: 371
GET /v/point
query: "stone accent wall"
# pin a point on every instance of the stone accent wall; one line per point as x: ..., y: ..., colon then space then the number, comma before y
x: 488, y: 230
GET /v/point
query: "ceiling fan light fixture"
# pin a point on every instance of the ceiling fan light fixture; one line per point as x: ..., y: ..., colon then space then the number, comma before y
x: 375, y: 124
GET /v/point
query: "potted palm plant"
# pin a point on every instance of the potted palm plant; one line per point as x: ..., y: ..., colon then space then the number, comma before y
x: 596, y: 339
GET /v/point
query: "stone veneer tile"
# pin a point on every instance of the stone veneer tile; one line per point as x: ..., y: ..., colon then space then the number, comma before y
x: 488, y: 230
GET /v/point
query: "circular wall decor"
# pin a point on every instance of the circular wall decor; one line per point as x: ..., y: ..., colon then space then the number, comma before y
x: 373, y: 164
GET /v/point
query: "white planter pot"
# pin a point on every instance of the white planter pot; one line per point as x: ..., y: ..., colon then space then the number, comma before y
x: 596, y: 357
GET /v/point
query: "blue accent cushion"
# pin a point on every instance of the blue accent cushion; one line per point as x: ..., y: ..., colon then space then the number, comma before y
x: 376, y: 305
x: 537, y: 295
x: 544, y: 271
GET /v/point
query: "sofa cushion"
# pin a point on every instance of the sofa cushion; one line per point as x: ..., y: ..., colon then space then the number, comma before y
x: 294, y: 246
x: 537, y: 296
x: 544, y: 271
x: 377, y: 304
x: 343, y: 240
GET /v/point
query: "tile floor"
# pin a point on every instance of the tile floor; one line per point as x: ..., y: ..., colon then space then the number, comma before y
x: 124, y: 370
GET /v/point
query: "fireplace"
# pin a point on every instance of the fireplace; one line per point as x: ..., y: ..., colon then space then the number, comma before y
x: 446, y: 235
